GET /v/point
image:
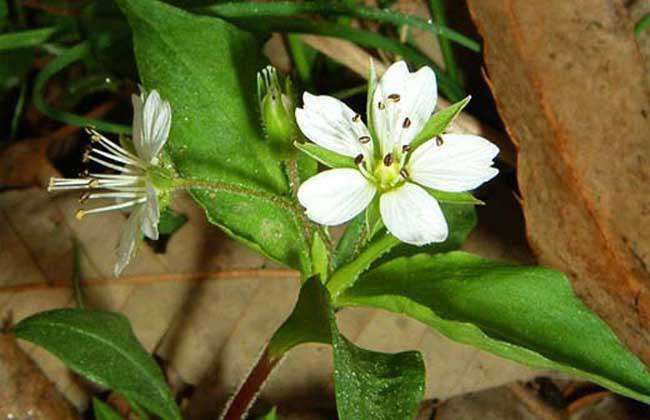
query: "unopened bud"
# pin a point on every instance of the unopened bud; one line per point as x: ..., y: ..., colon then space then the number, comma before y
x: 278, y: 111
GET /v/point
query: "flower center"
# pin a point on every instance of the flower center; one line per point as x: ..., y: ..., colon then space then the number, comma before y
x: 388, y: 173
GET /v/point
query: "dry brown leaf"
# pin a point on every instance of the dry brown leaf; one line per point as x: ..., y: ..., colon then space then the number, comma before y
x: 25, y: 392
x: 571, y: 88
x: 207, y: 306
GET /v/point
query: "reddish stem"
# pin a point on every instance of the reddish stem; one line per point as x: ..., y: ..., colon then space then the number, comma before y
x: 248, y: 391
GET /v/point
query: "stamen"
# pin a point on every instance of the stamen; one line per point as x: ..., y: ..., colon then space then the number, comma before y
x: 120, y: 194
x: 407, y: 123
x: 404, y: 173
x: 118, y: 158
x: 406, y: 148
x: 394, y: 97
x: 356, y: 118
x: 381, y: 105
x: 388, y: 159
x: 81, y: 213
x: 364, y: 139
x: 96, y: 137
x: 359, y: 159
x: 439, y: 141
x: 108, y: 164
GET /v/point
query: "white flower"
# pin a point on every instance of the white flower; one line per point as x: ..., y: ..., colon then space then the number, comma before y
x: 135, y: 186
x: 401, y: 105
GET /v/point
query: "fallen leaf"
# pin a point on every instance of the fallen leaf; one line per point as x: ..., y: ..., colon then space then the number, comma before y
x: 206, y: 306
x: 571, y: 87
x: 25, y: 392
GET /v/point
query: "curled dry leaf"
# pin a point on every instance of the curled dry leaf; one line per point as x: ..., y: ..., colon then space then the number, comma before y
x: 25, y: 392
x: 571, y: 87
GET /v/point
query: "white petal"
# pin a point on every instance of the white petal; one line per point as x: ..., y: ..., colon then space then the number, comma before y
x: 335, y: 196
x: 461, y: 163
x: 151, y: 214
x: 129, y: 238
x: 138, y: 103
x: 331, y: 124
x: 156, y: 122
x: 412, y: 215
x: 407, y: 101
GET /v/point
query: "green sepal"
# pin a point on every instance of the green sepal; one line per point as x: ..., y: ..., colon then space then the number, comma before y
x: 326, y: 157
x: 439, y: 122
x: 319, y: 257
x: 454, y: 197
x: 374, y: 223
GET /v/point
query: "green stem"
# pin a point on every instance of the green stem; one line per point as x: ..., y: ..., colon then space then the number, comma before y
x: 18, y: 110
x: 365, y: 38
x: 299, y: 58
x: 438, y: 15
x: 67, y: 58
x: 347, y: 275
x: 238, y: 10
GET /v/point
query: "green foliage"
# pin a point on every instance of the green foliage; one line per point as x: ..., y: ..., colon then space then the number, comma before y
x: 25, y: 39
x: 103, y: 411
x: 101, y: 346
x: 368, y: 385
x: 527, y: 314
x: 439, y: 122
x: 206, y: 68
x: 170, y: 221
x: 326, y: 157
x: 271, y: 415
x: 350, y: 242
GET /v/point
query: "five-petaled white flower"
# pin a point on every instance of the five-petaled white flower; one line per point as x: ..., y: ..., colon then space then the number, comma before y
x: 401, y: 105
x: 136, y: 185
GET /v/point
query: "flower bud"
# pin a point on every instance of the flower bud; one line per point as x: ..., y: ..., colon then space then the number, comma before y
x: 277, y: 107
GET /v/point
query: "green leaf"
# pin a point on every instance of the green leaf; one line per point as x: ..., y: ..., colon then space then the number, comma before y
x: 207, y: 69
x: 25, y: 39
x: 374, y: 223
x: 454, y: 197
x: 101, y: 346
x: 308, y: 323
x: 526, y: 314
x: 170, y: 221
x: 319, y: 257
x: 103, y: 411
x: 347, y: 246
x: 271, y: 415
x: 326, y: 157
x: 439, y: 122
x: 368, y: 385
x: 372, y: 385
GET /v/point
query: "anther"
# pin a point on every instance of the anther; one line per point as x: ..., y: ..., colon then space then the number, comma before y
x: 381, y: 105
x: 356, y: 118
x: 394, y: 97
x: 358, y: 159
x: 404, y: 173
x: 79, y: 214
x: 439, y: 141
x: 388, y: 159
x: 86, y: 155
x: 364, y: 139
x: 407, y: 123
x: 94, y: 183
x: 84, y: 197
x: 406, y: 148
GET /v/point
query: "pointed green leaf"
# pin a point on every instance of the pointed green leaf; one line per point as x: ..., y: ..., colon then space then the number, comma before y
x: 206, y: 68
x: 104, y: 411
x: 170, y: 221
x: 347, y: 246
x: 326, y: 157
x: 526, y: 314
x: 308, y: 323
x: 374, y: 223
x: 25, y: 39
x: 319, y: 257
x: 101, y: 346
x: 439, y: 122
x: 368, y: 385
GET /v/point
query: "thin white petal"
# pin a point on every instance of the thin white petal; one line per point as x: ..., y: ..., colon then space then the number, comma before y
x: 331, y: 124
x: 335, y: 196
x: 461, y: 162
x: 129, y: 238
x: 402, y: 104
x: 413, y: 216
x: 156, y: 122
x: 151, y: 214
x: 138, y: 103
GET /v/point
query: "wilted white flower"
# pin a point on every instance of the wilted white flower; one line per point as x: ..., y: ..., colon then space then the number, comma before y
x: 401, y: 105
x: 139, y: 181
